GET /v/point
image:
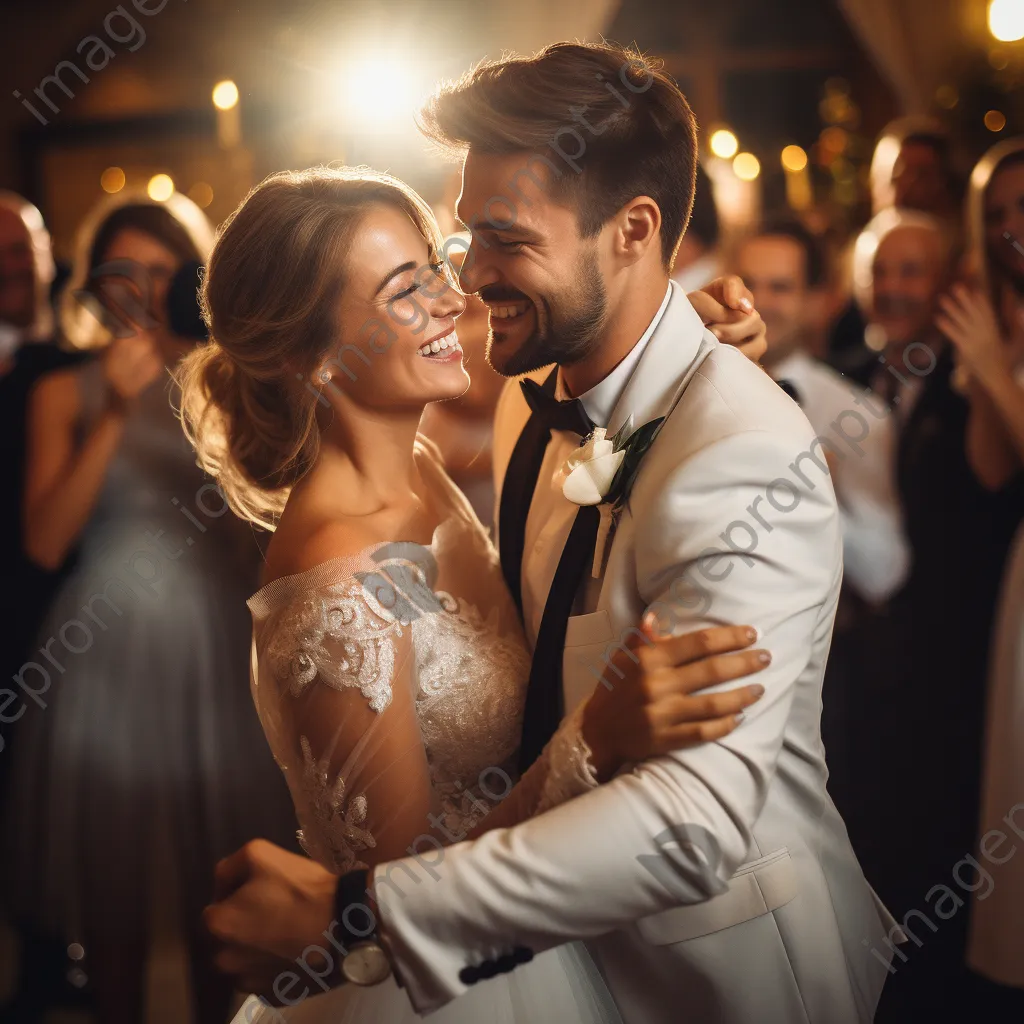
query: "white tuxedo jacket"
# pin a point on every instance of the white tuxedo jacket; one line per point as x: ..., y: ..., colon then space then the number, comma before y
x: 716, y: 884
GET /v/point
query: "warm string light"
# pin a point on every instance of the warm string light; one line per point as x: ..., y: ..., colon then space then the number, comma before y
x: 995, y: 120
x: 746, y: 167
x: 112, y: 180
x: 799, y: 194
x: 229, y: 121
x: 201, y: 194
x: 160, y: 187
x: 225, y: 95
x: 724, y: 144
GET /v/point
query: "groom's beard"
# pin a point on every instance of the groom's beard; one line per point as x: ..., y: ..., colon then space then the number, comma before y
x: 567, y: 329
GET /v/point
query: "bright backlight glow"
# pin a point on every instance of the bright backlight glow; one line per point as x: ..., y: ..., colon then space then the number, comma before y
x: 1006, y: 20
x: 380, y: 94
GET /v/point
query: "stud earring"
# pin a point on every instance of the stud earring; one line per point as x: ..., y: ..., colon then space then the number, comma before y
x: 325, y: 376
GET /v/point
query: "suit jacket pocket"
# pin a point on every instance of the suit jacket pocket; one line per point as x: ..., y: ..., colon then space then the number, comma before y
x: 757, y: 888
x: 587, y: 638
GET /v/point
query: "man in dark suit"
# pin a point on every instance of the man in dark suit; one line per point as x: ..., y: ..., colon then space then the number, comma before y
x: 27, y: 353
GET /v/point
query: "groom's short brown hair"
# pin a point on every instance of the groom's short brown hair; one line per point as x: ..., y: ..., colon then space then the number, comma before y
x: 632, y: 131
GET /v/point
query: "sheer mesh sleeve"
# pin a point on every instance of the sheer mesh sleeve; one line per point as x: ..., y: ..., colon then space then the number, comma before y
x: 563, y: 771
x: 334, y: 684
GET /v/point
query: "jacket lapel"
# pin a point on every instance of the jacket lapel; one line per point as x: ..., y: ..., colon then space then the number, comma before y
x: 517, y: 494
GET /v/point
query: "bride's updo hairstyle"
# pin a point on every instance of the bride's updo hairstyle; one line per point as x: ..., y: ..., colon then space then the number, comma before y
x: 269, y: 297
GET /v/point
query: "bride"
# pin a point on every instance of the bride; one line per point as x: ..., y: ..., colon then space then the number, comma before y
x: 388, y: 662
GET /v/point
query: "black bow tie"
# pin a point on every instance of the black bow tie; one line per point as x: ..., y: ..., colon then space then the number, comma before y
x: 569, y: 415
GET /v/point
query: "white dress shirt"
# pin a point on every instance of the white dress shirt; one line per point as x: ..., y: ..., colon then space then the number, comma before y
x: 875, y: 552
x: 551, y: 513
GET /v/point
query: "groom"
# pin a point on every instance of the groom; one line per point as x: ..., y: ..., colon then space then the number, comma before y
x: 715, y: 883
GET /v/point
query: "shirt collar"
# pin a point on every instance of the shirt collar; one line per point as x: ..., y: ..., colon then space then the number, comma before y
x: 796, y: 361
x: 599, y: 402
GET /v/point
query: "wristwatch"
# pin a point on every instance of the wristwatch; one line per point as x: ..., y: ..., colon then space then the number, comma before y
x: 365, y: 962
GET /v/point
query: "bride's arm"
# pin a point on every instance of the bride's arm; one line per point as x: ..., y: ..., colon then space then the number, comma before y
x: 637, y: 715
x: 338, y: 706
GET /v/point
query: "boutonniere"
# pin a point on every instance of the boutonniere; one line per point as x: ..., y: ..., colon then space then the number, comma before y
x: 602, y: 471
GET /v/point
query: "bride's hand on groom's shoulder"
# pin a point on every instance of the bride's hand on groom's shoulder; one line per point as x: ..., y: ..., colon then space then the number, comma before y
x: 648, y: 701
x: 726, y: 306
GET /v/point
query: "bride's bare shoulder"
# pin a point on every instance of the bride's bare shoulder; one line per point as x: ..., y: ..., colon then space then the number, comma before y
x: 297, y: 548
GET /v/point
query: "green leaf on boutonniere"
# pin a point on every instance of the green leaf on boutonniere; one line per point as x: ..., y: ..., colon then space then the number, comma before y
x: 635, y: 446
x: 619, y: 441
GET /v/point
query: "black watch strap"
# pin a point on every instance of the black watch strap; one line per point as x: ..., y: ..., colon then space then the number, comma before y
x: 356, y: 917
x: 355, y: 912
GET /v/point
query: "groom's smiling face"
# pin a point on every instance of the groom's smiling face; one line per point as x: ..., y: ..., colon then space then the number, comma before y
x: 541, y: 281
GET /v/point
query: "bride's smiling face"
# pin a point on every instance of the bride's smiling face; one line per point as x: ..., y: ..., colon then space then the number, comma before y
x: 398, y: 348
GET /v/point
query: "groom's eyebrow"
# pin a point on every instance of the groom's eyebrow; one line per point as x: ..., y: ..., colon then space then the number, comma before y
x: 410, y: 265
x: 516, y: 229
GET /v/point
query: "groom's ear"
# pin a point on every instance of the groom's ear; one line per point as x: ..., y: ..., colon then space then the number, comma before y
x: 637, y: 230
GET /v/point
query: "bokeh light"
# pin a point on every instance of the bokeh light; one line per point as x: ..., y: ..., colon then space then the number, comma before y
x: 201, y: 193
x: 225, y: 95
x: 160, y: 187
x: 995, y: 120
x: 746, y: 167
x: 724, y: 144
x: 794, y: 158
x: 998, y: 59
x: 112, y: 180
x: 1006, y: 20
x: 947, y: 97
x: 835, y: 140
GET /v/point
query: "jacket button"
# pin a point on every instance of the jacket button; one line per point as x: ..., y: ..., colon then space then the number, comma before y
x: 507, y: 963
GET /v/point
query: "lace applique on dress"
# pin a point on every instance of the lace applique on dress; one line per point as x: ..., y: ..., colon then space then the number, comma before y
x: 471, y: 676
x: 341, y: 634
x: 337, y: 825
x: 468, y: 669
x: 570, y: 768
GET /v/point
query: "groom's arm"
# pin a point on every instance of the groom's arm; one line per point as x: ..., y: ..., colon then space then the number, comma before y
x: 673, y: 830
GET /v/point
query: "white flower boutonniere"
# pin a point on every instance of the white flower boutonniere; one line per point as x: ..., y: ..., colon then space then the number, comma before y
x: 590, y: 470
x: 601, y: 472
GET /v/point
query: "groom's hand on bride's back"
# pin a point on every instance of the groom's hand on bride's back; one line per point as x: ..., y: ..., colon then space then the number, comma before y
x: 726, y: 306
x: 648, y: 703
x: 270, y: 906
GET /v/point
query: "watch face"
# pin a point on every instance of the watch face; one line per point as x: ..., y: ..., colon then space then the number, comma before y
x: 365, y: 964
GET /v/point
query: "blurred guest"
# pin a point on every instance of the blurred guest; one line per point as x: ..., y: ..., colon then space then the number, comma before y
x: 27, y: 353
x: 138, y: 742
x: 912, y: 169
x: 698, y: 260
x: 902, y: 264
x: 463, y: 428
x: 986, y: 326
x: 923, y: 178
x: 784, y: 267
x: 920, y: 736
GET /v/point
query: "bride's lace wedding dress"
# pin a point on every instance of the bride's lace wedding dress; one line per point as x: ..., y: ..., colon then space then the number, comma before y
x: 391, y: 687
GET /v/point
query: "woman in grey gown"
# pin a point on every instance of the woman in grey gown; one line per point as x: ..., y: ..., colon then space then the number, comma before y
x: 139, y: 745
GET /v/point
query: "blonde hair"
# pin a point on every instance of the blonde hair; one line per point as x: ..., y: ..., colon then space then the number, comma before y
x: 1005, y: 152
x: 269, y: 298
